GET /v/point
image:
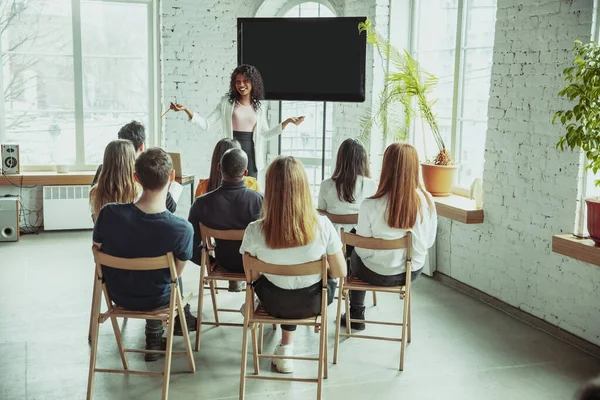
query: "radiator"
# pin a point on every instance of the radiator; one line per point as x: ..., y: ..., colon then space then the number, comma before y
x: 67, y: 207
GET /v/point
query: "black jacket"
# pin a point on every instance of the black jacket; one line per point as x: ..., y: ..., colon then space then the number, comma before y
x: 171, y: 205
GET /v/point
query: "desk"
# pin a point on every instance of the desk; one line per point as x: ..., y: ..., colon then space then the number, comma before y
x: 48, y: 178
x: 187, y: 180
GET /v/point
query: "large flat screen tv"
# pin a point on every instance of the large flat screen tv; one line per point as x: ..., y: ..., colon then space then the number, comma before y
x: 317, y: 59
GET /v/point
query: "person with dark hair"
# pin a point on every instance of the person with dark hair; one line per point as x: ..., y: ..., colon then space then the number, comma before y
x: 350, y: 183
x: 214, y: 179
x: 136, y: 134
x: 231, y: 206
x: 242, y: 116
x: 590, y: 391
x: 145, y: 228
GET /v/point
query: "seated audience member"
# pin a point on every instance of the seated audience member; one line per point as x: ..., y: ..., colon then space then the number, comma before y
x: 146, y: 228
x: 291, y: 232
x: 590, y: 391
x: 136, y: 134
x: 115, y: 183
x: 349, y: 185
x: 214, y: 179
x: 231, y: 206
x: 400, y: 205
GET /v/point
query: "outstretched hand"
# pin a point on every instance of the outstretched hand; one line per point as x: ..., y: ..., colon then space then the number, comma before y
x: 177, y: 107
x: 293, y: 120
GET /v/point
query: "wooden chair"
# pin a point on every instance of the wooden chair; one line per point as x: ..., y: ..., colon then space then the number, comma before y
x: 167, y: 315
x: 354, y: 283
x: 255, y: 318
x: 345, y: 219
x: 209, y: 275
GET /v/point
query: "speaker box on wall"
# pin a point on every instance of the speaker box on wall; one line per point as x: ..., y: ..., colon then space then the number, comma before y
x: 9, y: 219
x: 10, y: 159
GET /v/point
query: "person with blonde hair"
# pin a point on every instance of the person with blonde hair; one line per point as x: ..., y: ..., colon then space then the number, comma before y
x: 115, y: 181
x: 400, y: 205
x: 291, y: 232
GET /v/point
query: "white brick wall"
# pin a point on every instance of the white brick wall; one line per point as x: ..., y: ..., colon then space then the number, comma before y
x: 529, y: 187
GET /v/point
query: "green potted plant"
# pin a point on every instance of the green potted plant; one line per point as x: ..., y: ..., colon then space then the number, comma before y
x: 404, y: 98
x: 582, y: 121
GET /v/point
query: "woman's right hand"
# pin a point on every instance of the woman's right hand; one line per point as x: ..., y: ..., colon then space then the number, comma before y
x: 177, y: 107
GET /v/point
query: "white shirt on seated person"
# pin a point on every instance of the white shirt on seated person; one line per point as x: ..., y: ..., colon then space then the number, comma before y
x: 326, y: 242
x: 372, y: 222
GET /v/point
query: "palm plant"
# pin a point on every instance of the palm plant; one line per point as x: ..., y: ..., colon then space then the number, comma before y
x: 404, y: 97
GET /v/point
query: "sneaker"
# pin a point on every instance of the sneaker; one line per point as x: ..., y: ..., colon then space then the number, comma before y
x: 236, y: 286
x: 283, y: 365
x: 256, y: 304
x: 154, y: 342
x: 355, y: 313
x: 190, y: 320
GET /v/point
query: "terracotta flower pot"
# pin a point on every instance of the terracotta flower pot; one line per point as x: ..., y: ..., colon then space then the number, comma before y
x: 439, y: 179
x: 593, y: 219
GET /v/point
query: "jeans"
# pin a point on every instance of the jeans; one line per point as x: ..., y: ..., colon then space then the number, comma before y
x: 292, y: 304
x: 361, y: 271
x: 154, y: 326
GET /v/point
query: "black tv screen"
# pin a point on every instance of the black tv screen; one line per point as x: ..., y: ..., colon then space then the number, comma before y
x: 317, y: 59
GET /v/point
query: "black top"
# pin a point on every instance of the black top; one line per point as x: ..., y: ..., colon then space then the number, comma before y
x: 231, y: 206
x: 126, y: 231
x: 171, y: 205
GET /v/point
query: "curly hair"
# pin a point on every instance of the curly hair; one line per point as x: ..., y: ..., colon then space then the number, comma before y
x: 258, y: 89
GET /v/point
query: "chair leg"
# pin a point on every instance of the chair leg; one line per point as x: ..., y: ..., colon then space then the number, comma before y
x: 325, y: 347
x: 404, y: 329
x: 200, y: 307
x: 409, y: 319
x: 186, y: 334
x: 347, y: 300
x: 260, y: 338
x: 322, y: 349
x: 338, y: 320
x: 94, y: 336
x: 169, y: 350
x: 255, y: 349
x: 119, y: 338
x: 374, y: 299
x: 244, y: 353
x: 213, y: 295
x: 92, y: 307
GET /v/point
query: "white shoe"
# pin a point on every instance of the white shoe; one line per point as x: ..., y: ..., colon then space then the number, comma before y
x: 256, y: 304
x: 282, y: 365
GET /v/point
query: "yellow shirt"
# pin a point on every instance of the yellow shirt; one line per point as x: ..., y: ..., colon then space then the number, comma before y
x: 251, y: 183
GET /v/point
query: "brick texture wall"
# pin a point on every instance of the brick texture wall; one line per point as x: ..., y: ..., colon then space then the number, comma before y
x: 530, y: 188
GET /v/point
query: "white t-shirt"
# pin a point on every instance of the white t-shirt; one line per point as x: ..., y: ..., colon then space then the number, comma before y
x: 329, y: 201
x: 372, y: 223
x: 326, y: 241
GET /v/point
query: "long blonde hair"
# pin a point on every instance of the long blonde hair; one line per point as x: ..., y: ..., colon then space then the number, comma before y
x: 115, y: 183
x: 289, y: 218
x: 399, y: 181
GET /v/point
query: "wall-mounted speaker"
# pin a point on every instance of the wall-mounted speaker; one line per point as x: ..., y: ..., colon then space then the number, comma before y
x: 10, y: 159
x: 9, y: 219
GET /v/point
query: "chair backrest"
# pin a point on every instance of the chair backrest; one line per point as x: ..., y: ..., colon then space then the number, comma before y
x: 253, y: 264
x: 208, y: 233
x: 342, y: 219
x: 134, y: 264
x: 371, y: 243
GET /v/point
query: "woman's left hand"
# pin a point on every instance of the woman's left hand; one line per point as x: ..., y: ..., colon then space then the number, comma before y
x: 294, y: 120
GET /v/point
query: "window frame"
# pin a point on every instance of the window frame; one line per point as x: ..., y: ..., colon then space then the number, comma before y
x: 153, y: 130
x: 460, y: 50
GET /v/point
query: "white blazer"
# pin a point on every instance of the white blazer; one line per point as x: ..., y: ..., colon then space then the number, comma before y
x: 224, y: 112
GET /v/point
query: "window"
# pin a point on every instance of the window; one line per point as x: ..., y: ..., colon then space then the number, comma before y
x: 311, y: 142
x: 454, y: 39
x: 73, y: 72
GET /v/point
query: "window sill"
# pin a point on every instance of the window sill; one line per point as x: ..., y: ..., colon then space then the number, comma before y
x: 48, y: 178
x: 580, y: 249
x: 458, y: 208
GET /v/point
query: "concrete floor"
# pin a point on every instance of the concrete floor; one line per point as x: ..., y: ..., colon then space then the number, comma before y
x: 461, y: 348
